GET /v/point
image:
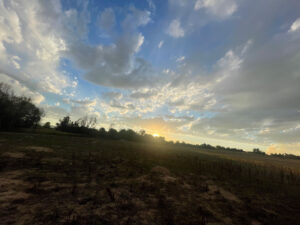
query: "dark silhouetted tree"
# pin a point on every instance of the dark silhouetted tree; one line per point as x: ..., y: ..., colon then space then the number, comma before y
x: 88, y: 122
x: 102, y: 132
x: 257, y: 151
x: 47, y: 125
x: 64, y: 124
x: 17, y: 112
x: 112, y: 133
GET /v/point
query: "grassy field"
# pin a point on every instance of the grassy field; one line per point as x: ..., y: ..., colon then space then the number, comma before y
x: 55, y: 178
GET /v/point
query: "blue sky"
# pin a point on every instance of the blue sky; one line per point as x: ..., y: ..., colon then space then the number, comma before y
x: 223, y: 72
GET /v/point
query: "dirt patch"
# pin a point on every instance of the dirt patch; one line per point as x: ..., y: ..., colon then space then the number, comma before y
x: 163, y: 174
x: 53, y: 160
x: 6, y: 183
x: 13, y: 174
x: 11, y: 196
x: 169, y: 179
x: 9, y: 180
x: 16, y: 155
x: 229, y: 196
x: 39, y: 149
x: 214, y: 190
x: 11, y: 186
x: 160, y: 170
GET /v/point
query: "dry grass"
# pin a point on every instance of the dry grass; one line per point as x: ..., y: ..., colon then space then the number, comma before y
x: 53, y: 179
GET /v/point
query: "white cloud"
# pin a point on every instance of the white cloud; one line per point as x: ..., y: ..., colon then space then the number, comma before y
x: 160, y: 44
x: 219, y: 8
x: 116, y: 65
x: 230, y: 61
x: 136, y: 18
x: 180, y: 59
x: 175, y: 30
x: 140, y: 42
x: 143, y: 94
x: 20, y: 90
x: 295, y: 26
x: 32, y: 39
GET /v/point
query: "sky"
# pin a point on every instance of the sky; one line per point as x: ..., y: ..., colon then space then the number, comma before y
x: 222, y: 72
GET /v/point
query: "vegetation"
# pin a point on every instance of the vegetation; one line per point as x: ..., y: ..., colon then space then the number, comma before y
x: 67, y: 179
x: 257, y: 151
x: 47, y: 125
x: 286, y: 156
x: 17, y: 112
x: 86, y: 126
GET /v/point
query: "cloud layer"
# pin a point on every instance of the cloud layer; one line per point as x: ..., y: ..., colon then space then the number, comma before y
x: 219, y: 70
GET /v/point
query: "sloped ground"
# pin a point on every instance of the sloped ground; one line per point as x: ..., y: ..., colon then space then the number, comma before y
x: 53, y: 183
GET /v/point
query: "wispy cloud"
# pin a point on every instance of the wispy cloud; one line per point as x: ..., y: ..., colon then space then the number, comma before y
x: 160, y: 44
x: 219, y: 8
x: 175, y: 30
x: 295, y: 26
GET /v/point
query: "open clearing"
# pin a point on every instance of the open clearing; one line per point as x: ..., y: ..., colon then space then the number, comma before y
x: 55, y: 179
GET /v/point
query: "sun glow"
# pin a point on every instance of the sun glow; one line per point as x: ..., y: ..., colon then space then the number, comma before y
x: 155, y: 135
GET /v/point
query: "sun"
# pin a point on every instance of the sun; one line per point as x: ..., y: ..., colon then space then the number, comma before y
x: 155, y: 135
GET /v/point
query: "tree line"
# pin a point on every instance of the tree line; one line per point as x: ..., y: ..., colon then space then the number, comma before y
x: 86, y: 126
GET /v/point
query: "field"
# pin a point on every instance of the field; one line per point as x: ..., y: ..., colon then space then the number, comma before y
x: 53, y: 178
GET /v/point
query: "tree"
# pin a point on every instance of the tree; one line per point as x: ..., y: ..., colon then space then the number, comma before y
x: 47, y: 125
x: 142, y: 132
x: 113, y: 133
x: 17, y: 112
x: 63, y: 124
x: 257, y: 151
x: 102, y: 132
x: 88, y: 122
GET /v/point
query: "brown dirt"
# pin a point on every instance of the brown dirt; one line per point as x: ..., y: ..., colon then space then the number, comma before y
x: 39, y: 149
x: 214, y: 189
x: 16, y: 155
x: 12, y: 188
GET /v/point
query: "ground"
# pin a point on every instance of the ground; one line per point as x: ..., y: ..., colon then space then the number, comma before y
x: 65, y: 179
